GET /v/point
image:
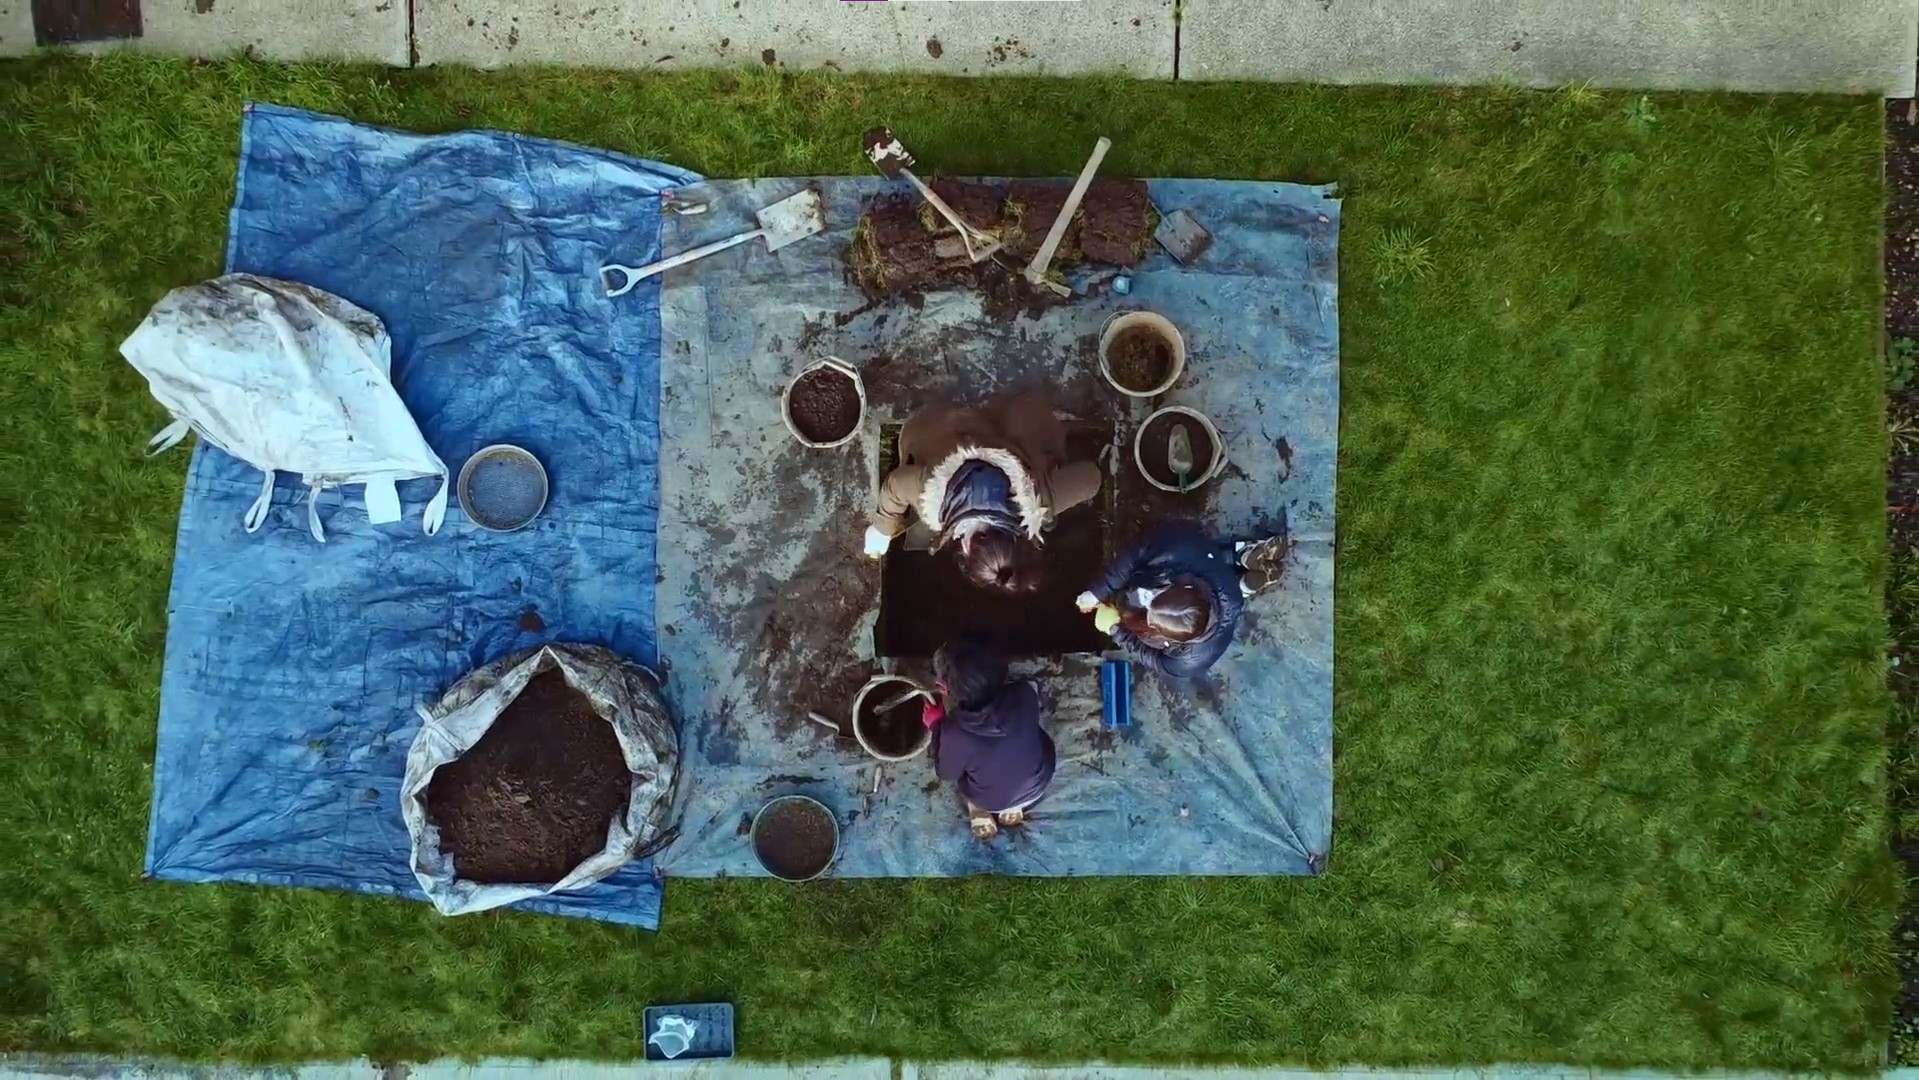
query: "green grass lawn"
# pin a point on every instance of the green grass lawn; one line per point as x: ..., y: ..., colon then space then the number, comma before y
x: 1610, y: 726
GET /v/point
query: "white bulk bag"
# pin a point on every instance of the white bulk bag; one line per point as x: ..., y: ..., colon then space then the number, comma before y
x: 287, y: 378
x: 623, y: 693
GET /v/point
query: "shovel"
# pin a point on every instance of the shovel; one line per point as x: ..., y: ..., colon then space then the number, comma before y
x: 893, y: 161
x: 795, y: 217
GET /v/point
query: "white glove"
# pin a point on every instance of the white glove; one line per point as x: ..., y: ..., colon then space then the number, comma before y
x: 1086, y: 601
x: 876, y: 542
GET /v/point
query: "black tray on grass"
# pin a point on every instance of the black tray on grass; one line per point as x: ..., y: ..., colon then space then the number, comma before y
x: 712, y: 1040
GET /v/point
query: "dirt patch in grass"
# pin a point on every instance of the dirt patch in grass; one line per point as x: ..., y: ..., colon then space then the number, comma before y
x: 1902, y: 218
x: 824, y: 405
x: 1902, y: 501
x: 534, y: 797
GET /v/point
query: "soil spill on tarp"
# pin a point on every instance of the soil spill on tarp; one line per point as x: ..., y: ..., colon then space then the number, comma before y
x: 897, y: 249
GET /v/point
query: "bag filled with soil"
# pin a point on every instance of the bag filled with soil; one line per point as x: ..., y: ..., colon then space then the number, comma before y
x: 543, y: 771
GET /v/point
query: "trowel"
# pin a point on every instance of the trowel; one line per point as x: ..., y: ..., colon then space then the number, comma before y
x: 1179, y: 455
x: 795, y: 217
x: 893, y: 161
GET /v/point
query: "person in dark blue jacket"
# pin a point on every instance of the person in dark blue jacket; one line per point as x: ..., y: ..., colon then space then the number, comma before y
x: 987, y: 740
x: 1172, y: 597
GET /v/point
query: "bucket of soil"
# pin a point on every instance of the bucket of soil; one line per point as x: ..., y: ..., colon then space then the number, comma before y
x: 886, y: 718
x: 795, y: 838
x: 824, y: 403
x: 1141, y: 354
x: 540, y: 772
x: 1152, y: 448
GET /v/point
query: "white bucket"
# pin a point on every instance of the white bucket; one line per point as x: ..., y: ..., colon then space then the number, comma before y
x: 786, y: 403
x: 1206, y: 424
x: 888, y: 687
x: 1126, y: 320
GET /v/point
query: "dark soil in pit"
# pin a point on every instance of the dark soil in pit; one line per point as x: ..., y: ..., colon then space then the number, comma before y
x: 1031, y: 208
x: 795, y: 839
x: 1116, y: 222
x: 924, y: 602
x: 897, y: 730
x: 824, y: 405
x: 1139, y: 358
x: 534, y: 797
x: 1158, y: 438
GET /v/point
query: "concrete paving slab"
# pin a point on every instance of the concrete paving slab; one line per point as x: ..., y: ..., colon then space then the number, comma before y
x: 16, y: 27
x: 1133, y: 37
x: 505, y: 1069
x: 364, y: 30
x: 1860, y: 46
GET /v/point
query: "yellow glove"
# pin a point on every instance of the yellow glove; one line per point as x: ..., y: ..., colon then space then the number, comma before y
x: 1105, y: 617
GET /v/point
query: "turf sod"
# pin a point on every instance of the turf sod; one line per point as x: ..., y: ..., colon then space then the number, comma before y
x: 1610, y: 781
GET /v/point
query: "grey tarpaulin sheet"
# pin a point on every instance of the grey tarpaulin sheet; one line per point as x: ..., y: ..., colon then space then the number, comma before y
x: 766, y: 607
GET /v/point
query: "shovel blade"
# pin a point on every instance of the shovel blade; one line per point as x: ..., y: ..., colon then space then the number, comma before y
x: 795, y: 217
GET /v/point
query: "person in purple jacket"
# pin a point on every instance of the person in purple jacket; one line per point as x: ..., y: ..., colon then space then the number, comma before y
x: 1172, y: 597
x: 987, y: 739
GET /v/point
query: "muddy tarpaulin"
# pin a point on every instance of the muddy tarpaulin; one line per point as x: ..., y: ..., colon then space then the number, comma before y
x: 768, y: 611
x: 292, y: 667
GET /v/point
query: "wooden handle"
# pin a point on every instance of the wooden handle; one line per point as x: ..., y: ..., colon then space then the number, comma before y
x: 1036, y: 270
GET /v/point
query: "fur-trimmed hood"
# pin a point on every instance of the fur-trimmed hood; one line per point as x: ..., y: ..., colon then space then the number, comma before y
x: 1026, y: 500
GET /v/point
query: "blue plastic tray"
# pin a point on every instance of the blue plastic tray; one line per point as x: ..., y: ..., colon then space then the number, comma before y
x: 713, y: 1039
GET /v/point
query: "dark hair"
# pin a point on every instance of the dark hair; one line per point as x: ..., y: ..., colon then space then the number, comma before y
x: 997, y: 559
x: 971, y: 671
x: 1179, y: 614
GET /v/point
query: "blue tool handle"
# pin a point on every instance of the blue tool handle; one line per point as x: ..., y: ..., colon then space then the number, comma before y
x: 1116, y: 693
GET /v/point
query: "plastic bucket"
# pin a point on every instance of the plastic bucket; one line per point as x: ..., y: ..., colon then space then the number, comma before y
x: 812, y: 813
x: 833, y: 363
x: 1205, y: 423
x: 1161, y: 325
x: 885, y: 688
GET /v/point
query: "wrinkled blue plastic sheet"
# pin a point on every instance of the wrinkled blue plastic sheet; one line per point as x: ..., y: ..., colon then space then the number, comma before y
x: 767, y: 609
x: 292, y: 668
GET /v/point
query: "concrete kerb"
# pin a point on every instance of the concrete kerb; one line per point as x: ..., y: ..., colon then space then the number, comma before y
x: 1863, y: 46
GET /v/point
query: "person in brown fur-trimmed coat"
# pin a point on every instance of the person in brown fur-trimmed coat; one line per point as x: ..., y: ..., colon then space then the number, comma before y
x: 987, y: 481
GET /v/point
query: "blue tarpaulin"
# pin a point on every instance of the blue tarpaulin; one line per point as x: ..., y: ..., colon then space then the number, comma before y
x: 292, y: 667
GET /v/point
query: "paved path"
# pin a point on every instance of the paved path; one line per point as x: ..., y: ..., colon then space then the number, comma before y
x: 1853, y: 46
x: 29, y: 1067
